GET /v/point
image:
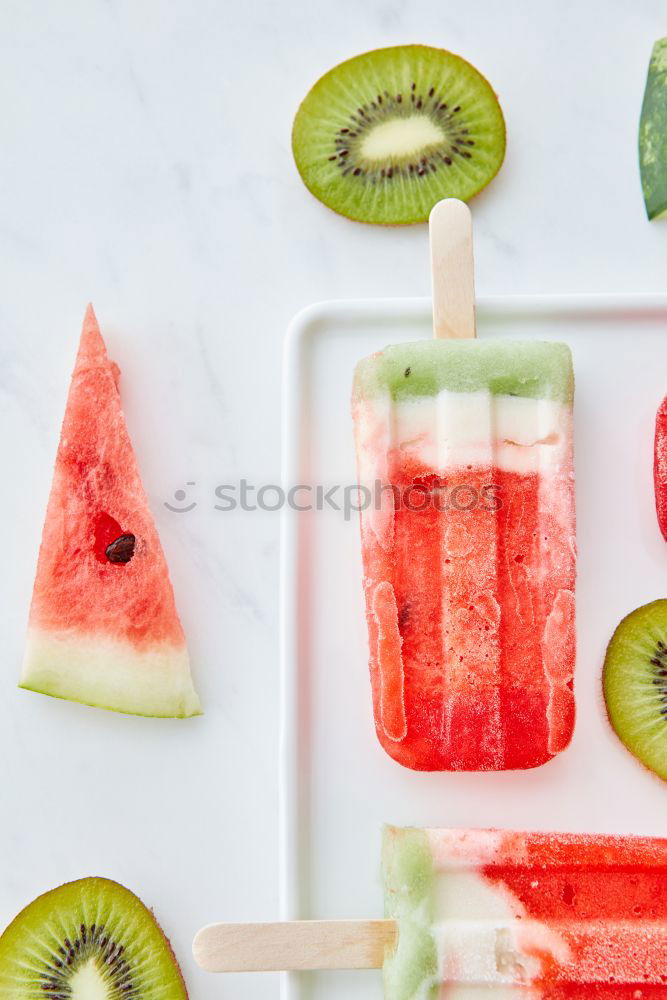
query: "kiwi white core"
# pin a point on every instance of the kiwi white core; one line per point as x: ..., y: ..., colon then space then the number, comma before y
x: 401, y: 138
x: 87, y: 983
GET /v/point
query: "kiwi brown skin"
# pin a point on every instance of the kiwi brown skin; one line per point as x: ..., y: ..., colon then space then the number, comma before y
x: 88, y: 922
x: 634, y: 683
x: 408, y: 214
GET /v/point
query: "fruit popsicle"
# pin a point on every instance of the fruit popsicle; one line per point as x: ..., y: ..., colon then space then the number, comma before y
x: 464, y: 451
x: 488, y: 913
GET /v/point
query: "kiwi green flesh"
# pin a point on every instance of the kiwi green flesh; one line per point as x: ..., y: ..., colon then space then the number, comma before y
x: 384, y: 136
x: 88, y: 940
x: 635, y: 684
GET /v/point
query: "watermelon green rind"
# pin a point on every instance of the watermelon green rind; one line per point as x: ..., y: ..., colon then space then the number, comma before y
x: 653, y: 134
x: 101, y: 632
x: 533, y: 369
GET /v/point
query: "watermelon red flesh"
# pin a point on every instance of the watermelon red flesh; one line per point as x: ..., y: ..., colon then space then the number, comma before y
x: 660, y: 467
x: 487, y: 682
x: 578, y: 884
x: 103, y: 632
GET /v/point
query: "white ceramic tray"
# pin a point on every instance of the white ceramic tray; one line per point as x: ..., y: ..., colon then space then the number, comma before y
x: 338, y: 786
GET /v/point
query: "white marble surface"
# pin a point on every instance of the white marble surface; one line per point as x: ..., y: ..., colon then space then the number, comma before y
x: 145, y: 164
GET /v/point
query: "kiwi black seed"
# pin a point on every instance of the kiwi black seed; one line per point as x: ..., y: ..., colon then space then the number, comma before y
x: 386, y: 135
x: 88, y: 940
x: 635, y: 684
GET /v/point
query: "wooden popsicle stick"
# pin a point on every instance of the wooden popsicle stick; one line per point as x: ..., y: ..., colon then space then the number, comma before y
x: 295, y: 946
x: 452, y: 270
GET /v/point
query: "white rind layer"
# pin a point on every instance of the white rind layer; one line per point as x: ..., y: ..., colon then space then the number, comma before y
x: 483, y: 993
x: 471, y: 992
x: 110, y: 673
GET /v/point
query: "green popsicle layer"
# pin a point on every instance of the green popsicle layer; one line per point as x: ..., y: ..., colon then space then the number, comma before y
x: 411, y: 971
x: 530, y: 368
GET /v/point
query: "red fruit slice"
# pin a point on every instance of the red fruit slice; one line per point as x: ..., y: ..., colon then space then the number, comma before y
x: 660, y: 467
x: 103, y: 626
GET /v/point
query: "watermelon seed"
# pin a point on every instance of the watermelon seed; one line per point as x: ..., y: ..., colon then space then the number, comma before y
x: 122, y: 549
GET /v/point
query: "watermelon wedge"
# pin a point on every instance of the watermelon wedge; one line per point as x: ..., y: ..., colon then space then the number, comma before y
x: 103, y: 627
x: 653, y: 134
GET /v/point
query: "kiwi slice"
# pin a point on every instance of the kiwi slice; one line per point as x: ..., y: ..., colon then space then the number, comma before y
x: 386, y: 135
x: 88, y: 940
x: 635, y: 684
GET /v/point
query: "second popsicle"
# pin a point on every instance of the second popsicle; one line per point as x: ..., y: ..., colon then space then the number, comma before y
x: 464, y: 451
